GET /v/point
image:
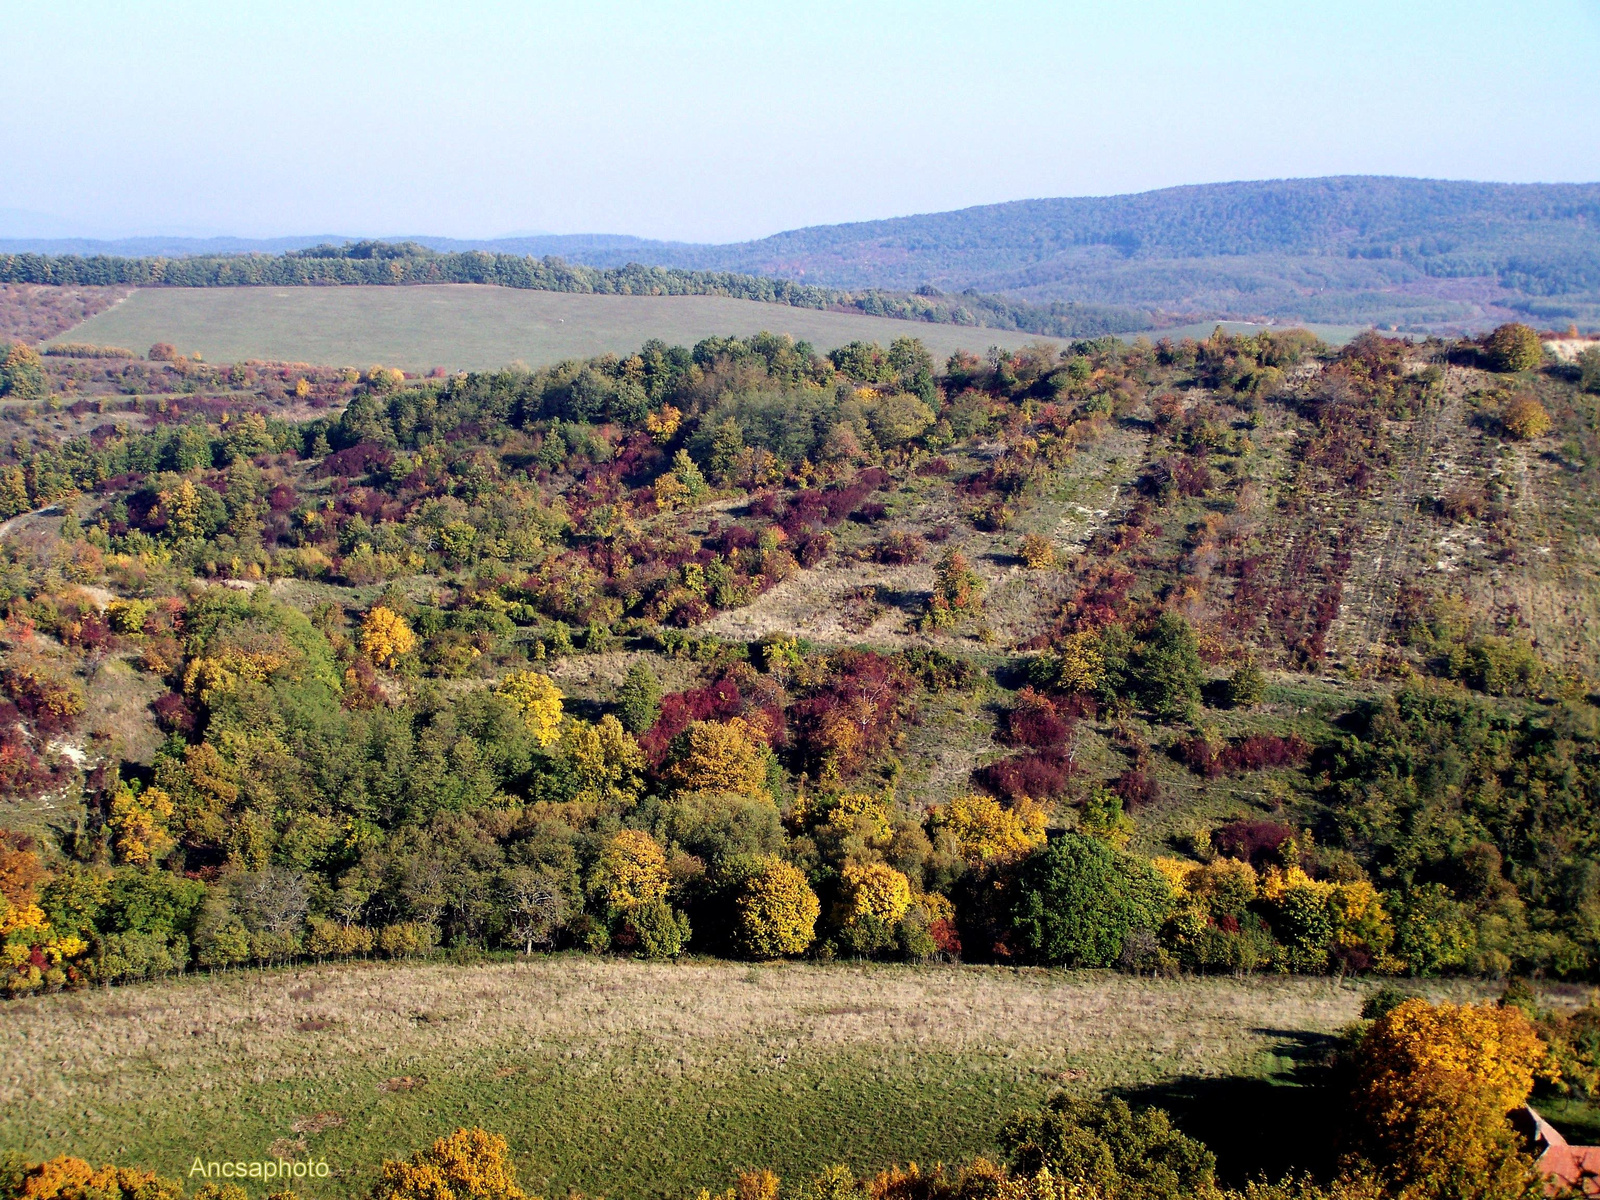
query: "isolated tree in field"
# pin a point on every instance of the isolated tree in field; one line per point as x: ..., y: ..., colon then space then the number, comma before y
x: 1079, y: 898
x: 1247, y: 686
x: 776, y: 911
x: 162, y: 352
x: 1167, y: 668
x: 639, y: 699
x: 1037, y: 552
x: 1525, y: 418
x: 1514, y: 347
x: 386, y: 637
x: 957, y: 590
x: 470, y: 1164
x: 538, y: 699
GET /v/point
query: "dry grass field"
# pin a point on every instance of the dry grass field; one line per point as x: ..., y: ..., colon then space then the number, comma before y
x: 617, y: 1078
x: 472, y: 326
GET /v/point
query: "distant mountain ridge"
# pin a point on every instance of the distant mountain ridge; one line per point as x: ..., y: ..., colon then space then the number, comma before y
x: 1360, y: 249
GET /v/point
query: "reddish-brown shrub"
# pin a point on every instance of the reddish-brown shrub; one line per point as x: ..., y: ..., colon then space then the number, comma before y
x: 173, y: 713
x: 1039, y: 775
x: 1137, y: 787
x: 1255, y: 842
x: 899, y: 548
x: 1036, y: 722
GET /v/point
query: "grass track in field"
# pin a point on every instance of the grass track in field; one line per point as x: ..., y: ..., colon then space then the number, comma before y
x: 624, y: 1079
x: 471, y: 326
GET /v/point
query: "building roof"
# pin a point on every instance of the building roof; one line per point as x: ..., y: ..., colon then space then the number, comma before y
x: 1564, y: 1166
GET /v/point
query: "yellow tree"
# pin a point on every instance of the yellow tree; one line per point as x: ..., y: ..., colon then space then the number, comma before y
x: 139, y: 825
x: 538, y: 699
x: 776, y: 912
x: 470, y: 1164
x: 386, y: 637
x: 1434, y: 1086
x: 1525, y: 419
x: 180, y: 505
x: 721, y: 756
x: 984, y: 830
x: 606, y: 760
x: 632, y: 870
x: 874, y: 889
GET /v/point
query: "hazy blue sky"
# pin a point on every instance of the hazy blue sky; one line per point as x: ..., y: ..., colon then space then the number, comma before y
x: 721, y: 121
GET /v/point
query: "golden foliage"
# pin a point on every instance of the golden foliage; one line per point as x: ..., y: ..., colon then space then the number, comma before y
x: 606, y: 760
x: 1496, y: 1048
x: 874, y: 890
x: 67, y: 1178
x: 861, y: 814
x: 1434, y: 1086
x: 1083, y: 667
x: 664, y: 424
x: 20, y: 868
x: 1037, y: 552
x: 756, y: 1185
x: 210, y: 676
x: 721, y: 756
x: 538, y: 699
x: 180, y: 505
x: 386, y: 637
x: 1525, y: 419
x: 985, y: 830
x: 632, y: 869
x: 470, y: 1164
x: 777, y: 911
x: 139, y: 825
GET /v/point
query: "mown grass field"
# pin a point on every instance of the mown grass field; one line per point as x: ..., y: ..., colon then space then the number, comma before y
x: 471, y: 326
x: 624, y: 1079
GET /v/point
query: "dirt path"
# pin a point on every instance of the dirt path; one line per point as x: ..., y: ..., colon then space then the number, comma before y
x: 15, y: 523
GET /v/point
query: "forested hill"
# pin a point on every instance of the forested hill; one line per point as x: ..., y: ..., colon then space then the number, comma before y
x: 1343, y: 248
x: 1410, y: 253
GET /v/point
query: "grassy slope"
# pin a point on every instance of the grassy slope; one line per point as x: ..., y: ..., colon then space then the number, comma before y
x: 472, y: 327
x: 619, y: 1078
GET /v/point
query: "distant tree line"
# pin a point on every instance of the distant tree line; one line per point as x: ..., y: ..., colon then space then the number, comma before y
x: 381, y: 263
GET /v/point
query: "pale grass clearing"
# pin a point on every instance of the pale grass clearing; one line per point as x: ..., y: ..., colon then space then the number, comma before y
x: 615, y: 1078
x: 1118, y: 1028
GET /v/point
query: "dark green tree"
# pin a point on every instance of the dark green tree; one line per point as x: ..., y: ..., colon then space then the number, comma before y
x: 1110, y: 1149
x: 1079, y: 898
x: 638, y: 699
x: 1167, y: 669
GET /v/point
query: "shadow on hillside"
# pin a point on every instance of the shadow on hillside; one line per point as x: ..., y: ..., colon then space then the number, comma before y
x: 1287, y: 1125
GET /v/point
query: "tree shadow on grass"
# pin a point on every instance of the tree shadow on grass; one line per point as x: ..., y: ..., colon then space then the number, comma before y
x: 1285, y: 1125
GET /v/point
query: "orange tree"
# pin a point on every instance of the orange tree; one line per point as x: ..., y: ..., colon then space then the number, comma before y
x: 470, y: 1164
x: 1434, y: 1087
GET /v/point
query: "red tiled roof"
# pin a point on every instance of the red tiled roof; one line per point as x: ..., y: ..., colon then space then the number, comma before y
x: 1564, y: 1167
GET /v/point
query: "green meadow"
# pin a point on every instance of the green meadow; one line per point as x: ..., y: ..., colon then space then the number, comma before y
x: 629, y: 1079
x: 472, y: 326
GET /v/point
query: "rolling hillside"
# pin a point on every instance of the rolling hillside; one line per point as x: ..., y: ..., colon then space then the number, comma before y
x: 1407, y: 253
